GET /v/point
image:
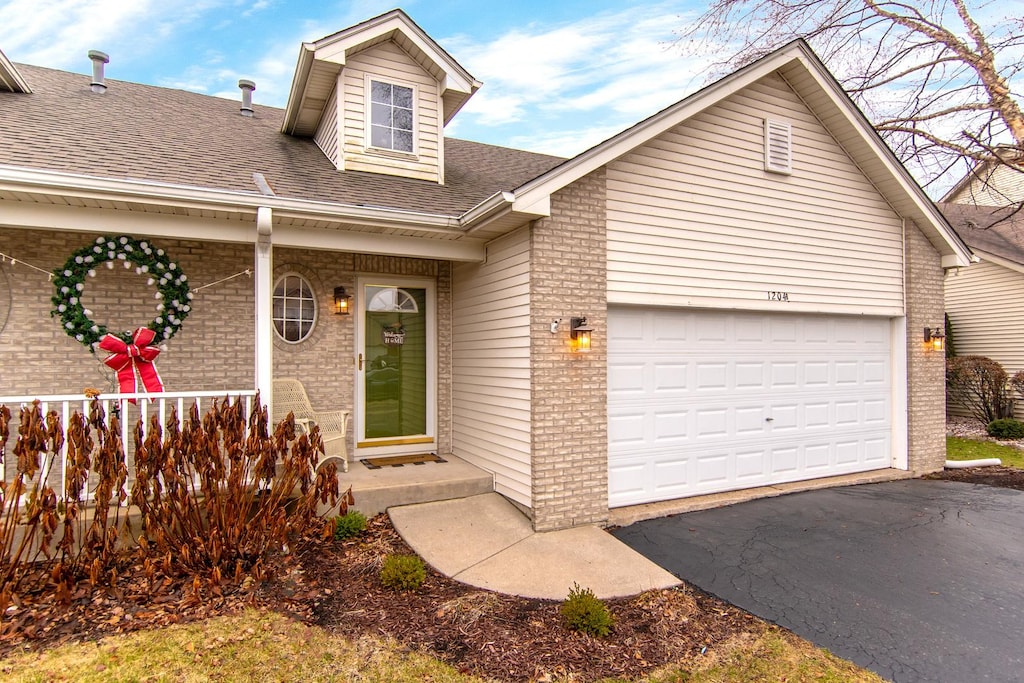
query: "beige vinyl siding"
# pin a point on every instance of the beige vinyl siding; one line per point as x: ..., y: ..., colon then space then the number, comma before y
x: 1001, y: 186
x: 491, y: 365
x: 695, y: 220
x: 326, y: 137
x: 985, y: 303
x: 388, y: 62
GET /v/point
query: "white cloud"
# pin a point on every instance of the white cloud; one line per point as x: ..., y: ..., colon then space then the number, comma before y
x: 569, y: 86
x: 58, y: 33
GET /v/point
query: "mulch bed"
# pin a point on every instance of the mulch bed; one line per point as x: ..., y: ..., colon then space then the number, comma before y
x: 512, y: 638
x: 336, y: 585
x: 1005, y: 477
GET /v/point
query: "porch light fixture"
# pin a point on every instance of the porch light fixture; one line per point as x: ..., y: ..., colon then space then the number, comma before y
x: 935, y: 337
x: 579, y: 333
x: 342, y: 301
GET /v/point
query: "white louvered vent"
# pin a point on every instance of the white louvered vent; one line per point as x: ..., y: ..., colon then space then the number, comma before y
x: 778, y: 146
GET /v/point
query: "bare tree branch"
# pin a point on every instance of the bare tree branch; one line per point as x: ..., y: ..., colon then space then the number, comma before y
x: 934, y: 75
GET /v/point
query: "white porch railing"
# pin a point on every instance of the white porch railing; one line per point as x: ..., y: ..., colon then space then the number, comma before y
x: 146, y: 405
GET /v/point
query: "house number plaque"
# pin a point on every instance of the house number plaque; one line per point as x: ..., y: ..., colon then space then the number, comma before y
x: 778, y: 296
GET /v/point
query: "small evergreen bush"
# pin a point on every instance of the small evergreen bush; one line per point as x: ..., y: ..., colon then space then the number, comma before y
x: 1006, y: 428
x: 403, y: 572
x: 350, y: 524
x: 582, y: 611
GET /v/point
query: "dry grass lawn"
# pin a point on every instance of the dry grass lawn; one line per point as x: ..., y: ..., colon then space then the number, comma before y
x: 267, y: 646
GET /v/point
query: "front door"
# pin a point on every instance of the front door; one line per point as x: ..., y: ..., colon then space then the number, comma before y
x: 395, y: 366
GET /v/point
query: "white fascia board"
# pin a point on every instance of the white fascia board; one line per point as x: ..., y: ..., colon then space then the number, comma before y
x: 496, y: 204
x: 298, y: 88
x: 372, y: 243
x: 10, y: 74
x: 538, y: 207
x: 926, y: 209
x: 631, y: 138
x: 330, y: 47
x: 164, y: 194
x: 106, y: 221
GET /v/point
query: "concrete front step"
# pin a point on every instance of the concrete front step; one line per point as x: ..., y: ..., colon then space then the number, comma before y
x: 375, y: 490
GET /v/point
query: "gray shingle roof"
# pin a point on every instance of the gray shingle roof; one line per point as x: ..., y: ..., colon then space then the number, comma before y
x: 145, y: 132
x: 998, y: 230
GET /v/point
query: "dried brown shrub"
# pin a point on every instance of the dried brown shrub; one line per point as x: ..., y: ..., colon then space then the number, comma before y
x: 979, y: 384
x: 211, y: 501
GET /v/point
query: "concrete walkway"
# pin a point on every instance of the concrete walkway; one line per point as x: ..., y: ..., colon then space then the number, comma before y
x: 486, y: 542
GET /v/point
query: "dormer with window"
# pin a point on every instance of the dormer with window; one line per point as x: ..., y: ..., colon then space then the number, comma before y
x: 376, y: 98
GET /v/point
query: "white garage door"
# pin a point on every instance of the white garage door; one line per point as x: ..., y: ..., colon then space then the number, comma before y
x: 700, y: 402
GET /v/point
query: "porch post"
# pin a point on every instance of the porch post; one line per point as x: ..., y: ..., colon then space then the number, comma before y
x: 264, y: 295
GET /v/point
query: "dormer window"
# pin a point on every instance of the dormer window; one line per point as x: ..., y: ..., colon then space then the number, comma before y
x: 391, y: 116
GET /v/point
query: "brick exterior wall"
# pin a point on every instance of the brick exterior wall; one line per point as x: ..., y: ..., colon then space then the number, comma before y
x: 926, y: 369
x: 569, y: 421
x: 215, y: 349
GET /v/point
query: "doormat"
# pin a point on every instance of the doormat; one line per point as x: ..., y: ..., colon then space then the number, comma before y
x: 399, y: 460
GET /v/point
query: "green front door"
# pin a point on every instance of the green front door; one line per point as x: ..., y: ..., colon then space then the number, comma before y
x: 395, y: 365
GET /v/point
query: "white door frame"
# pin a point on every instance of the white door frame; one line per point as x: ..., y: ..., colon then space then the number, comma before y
x: 414, y: 444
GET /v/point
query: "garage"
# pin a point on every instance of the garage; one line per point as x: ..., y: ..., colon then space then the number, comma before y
x: 703, y: 401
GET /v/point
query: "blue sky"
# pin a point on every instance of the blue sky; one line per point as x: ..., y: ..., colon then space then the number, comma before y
x: 559, y: 75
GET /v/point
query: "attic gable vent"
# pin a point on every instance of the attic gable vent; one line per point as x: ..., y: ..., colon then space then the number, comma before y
x: 778, y: 146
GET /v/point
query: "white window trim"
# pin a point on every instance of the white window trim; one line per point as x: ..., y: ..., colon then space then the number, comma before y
x: 367, y: 124
x: 316, y: 307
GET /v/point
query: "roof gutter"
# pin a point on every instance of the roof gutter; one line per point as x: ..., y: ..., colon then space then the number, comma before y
x: 27, y: 179
x: 494, y: 206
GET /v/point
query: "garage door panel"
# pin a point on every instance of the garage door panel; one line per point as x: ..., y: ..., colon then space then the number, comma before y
x: 751, y: 464
x: 747, y: 400
x: 670, y: 377
x: 750, y: 375
x: 815, y: 373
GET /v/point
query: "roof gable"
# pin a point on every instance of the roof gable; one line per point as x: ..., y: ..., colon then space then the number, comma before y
x: 10, y: 78
x: 321, y: 61
x: 811, y: 80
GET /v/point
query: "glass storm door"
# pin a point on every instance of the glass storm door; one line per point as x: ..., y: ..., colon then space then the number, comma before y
x: 395, y: 366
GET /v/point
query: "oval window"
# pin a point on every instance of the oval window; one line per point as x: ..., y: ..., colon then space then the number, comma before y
x: 294, y: 308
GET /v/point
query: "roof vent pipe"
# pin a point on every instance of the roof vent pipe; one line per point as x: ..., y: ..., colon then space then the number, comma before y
x: 98, y: 58
x: 247, y: 88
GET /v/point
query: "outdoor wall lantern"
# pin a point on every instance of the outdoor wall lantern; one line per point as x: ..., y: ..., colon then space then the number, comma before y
x: 579, y: 332
x: 342, y: 301
x: 935, y: 338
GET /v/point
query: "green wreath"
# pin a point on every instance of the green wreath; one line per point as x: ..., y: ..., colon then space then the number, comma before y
x: 69, y: 282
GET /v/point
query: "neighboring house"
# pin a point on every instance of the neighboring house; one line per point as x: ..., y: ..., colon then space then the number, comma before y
x: 985, y: 302
x: 756, y: 267
x: 990, y: 183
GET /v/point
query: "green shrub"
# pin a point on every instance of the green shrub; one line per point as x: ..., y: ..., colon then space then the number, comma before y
x: 350, y: 524
x: 403, y: 572
x: 582, y: 611
x: 1006, y: 428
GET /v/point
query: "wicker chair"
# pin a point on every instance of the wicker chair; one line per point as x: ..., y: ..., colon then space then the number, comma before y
x: 290, y: 397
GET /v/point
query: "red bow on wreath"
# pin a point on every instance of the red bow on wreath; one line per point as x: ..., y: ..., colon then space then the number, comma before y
x: 126, y: 359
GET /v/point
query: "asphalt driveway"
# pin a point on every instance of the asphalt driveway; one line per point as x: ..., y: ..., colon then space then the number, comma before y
x: 916, y: 580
